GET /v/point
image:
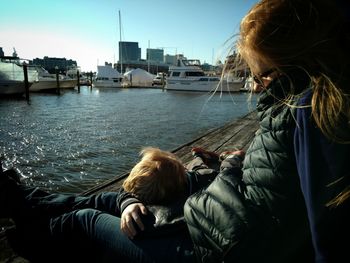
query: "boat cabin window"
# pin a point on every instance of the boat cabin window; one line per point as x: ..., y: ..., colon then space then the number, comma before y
x: 203, y: 79
x: 176, y: 74
x: 194, y: 73
x: 191, y: 62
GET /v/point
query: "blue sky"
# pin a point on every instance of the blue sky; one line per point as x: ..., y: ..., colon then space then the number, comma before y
x: 88, y: 30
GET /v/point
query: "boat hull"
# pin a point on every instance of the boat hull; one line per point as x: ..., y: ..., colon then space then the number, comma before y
x: 51, y: 85
x: 68, y: 83
x: 204, y: 86
x: 11, y: 87
x: 231, y: 86
x: 106, y: 84
x: 43, y: 85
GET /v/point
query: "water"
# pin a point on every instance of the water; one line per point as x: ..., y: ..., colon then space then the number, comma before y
x: 76, y: 140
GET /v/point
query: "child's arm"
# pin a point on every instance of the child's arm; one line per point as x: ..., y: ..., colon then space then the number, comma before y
x: 130, y: 208
x: 131, y: 214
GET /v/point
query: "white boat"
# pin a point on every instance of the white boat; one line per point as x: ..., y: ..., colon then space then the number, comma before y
x: 248, y: 86
x: 107, y: 77
x: 12, y: 76
x: 48, y: 82
x: 70, y: 80
x: 11, y: 87
x: 230, y: 82
x: 189, y: 76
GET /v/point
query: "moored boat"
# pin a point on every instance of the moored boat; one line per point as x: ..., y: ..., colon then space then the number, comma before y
x: 187, y: 75
x: 48, y: 82
x: 12, y: 76
x: 231, y: 83
x: 107, y: 77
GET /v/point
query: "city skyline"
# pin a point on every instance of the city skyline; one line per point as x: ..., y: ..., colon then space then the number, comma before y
x: 89, y: 32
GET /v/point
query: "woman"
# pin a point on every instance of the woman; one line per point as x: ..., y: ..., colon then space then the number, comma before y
x: 295, y: 182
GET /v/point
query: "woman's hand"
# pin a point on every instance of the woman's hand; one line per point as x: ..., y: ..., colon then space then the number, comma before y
x: 130, y: 215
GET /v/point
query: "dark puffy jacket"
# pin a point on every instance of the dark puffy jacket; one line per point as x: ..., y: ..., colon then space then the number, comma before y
x: 259, y: 216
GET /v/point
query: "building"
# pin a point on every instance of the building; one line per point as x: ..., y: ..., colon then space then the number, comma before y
x: 50, y: 64
x: 170, y: 59
x: 156, y: 55
x: 129, y: 51
x: 1, y: 52
x: 151, y: 67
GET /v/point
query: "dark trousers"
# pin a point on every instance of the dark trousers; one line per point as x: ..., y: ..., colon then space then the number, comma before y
x: 72, y: 228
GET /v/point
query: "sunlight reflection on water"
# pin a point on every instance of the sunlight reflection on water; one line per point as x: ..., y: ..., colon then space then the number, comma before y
x: 74, y: 141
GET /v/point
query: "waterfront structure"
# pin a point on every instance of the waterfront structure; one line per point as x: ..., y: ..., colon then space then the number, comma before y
x: 155, y: 54
x: 138, y: 78
x: 1, y: 52
x: 50, y: 64
x: 129, y: 51
x: 170, y: 59
x: 151, y: 67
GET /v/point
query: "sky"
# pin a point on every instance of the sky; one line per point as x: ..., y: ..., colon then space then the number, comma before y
x: 88, y: 31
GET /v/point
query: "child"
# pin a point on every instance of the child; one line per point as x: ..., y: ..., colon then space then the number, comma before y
x: 161, y: 178
x: 158, y: 178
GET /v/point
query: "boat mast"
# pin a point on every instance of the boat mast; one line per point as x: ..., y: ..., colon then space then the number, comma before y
x: 120, y: 45
x: 149, y: 56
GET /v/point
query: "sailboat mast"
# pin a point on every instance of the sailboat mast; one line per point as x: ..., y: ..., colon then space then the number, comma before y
x: 120, y: 45
x: 149, y: 56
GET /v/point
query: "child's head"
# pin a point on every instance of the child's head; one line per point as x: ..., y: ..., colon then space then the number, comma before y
x: 158, y: 178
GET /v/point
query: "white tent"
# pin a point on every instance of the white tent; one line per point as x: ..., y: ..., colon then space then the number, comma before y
x: 107, y: 72
x: 138, y: 78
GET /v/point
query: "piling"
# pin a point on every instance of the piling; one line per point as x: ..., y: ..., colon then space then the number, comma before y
x: 78, y: 81
x: 91, y: 79
x: 57, y: 81
x: 26, y: 82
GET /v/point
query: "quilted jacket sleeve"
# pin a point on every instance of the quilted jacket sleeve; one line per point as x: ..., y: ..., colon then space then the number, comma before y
x: 218, y: 217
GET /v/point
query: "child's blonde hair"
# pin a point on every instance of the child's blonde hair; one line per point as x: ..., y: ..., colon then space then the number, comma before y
x: 158, y: 178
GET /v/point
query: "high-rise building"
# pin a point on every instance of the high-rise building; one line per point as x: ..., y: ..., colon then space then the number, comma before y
x: 156, y: 55
x: 129, y: 51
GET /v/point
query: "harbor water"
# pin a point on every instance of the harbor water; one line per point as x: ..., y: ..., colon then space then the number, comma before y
x: 76, y: 140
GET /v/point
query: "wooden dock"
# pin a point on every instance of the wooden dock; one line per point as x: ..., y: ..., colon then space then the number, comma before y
x: 235, y: 135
